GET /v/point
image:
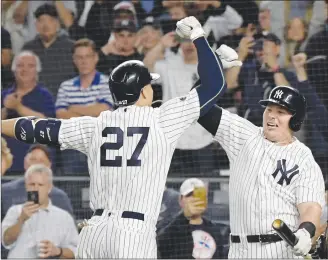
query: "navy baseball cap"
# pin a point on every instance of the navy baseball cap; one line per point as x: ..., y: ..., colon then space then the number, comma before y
x: 128, y: 25
x: 46, y: 9
x: 151, y: 21
x: 273, y: 38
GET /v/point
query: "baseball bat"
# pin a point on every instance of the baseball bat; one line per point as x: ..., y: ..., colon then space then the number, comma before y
x: 286, y: 234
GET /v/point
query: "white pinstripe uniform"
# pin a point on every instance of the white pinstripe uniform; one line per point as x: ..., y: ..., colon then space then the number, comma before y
x: 267, y: 181
x: 140, y: 142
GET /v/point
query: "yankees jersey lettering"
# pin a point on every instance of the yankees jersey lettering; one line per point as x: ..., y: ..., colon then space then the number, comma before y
x: 129, y: 152
x: 267, y: 181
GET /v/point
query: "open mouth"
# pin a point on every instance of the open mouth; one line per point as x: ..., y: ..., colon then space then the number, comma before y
x: 272, y: 125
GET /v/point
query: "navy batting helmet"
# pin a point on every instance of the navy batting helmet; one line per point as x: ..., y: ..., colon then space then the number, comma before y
x: 291, y: 99
x: 127, y: 80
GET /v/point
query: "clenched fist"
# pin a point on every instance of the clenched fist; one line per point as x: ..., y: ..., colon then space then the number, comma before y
x: 299, y: 60
x: 190, y: 28
x: 228, y: 57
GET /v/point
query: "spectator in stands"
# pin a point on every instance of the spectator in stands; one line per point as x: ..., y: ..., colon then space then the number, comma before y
x: 6, y: 56
x: 317, y: 113
x: 317, y: 66
x: 295, y: 39
x: 170, y: 208
x: 96, y: 18
x: 6, y: 157
x: 26, y: 9
x: 259, y: 73
x: 54, y: 51
x: 21, y: 99
x: 13, y: 192
x: 125, y: 10
x: 37, y: 228
x: 26, y: 97
x: 190, y: 234
x: 149, y: 35
x: 121, y: 48
x: 14, y: 24
x: 178, y: 74
x: 87, y: 94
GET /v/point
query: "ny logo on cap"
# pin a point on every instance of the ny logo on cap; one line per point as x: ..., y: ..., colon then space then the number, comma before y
x: 278, y: 94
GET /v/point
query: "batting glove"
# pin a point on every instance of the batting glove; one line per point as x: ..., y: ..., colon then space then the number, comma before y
x: 304, y: 243
x: 190, y: 28
x: 228, y: 57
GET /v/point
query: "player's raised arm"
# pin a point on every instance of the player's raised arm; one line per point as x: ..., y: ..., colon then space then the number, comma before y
x: 209, y: 66
x: 74, y: 133
x: 178, y: 114
x: 230, y: 130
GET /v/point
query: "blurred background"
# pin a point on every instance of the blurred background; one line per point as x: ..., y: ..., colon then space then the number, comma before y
x: 56, y: 57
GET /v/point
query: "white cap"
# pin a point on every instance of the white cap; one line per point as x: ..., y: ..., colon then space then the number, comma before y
x: 265, y: 5
x: 125, y: 5
x: 190, y: 184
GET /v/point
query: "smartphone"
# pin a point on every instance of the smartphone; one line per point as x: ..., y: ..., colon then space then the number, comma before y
x: 33, y: 196
x: 201, y: 193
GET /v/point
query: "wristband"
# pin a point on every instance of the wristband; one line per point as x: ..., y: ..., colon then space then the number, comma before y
x: 309, y: 226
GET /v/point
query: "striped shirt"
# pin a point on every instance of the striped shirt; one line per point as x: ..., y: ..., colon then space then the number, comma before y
x: 71, y: 93
x: 267, y: 181
x: 51, y: 223
x: 129, y: 153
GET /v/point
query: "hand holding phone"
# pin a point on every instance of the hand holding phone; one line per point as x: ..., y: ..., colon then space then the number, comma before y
x: 33, y: 196
x: 28, y: 210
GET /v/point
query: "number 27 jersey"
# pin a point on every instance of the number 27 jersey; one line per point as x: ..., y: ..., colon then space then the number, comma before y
x: 129, y: 152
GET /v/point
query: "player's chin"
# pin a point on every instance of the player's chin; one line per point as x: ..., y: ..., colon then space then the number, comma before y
x: 270, y: 134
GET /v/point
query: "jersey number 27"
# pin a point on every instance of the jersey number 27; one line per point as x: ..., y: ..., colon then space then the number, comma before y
x: 117, y: 162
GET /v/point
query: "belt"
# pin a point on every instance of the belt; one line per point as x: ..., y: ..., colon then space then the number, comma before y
x: 125, y: 214
x: 268, y: 238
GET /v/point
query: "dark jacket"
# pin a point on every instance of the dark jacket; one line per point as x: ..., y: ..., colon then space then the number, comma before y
x: 176, y: 241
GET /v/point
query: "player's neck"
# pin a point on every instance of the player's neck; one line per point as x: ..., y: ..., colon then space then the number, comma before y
x: 196, y: 220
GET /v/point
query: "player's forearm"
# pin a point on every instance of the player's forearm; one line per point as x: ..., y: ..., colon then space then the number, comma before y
x: 25, y: 111
x: 12, y: 233
x: 211, y: 74
x: 280, y: 79
x: 310, y: 212
x: 8, y: 127
x: 65, y: 14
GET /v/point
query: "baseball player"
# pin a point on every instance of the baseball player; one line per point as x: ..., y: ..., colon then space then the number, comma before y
x: 272, y: 176
x: 129, y: 150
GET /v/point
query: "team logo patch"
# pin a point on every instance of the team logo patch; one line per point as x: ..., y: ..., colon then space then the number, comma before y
x: 278, y: 94
x: 204, y: 245
x: 286, y: 175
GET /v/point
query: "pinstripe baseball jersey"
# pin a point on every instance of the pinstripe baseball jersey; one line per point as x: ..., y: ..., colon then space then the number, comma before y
x: 267, y: 181
x: 129, y: 152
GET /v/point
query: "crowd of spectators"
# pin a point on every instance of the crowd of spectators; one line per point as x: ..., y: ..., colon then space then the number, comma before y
x: 56, y: 57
